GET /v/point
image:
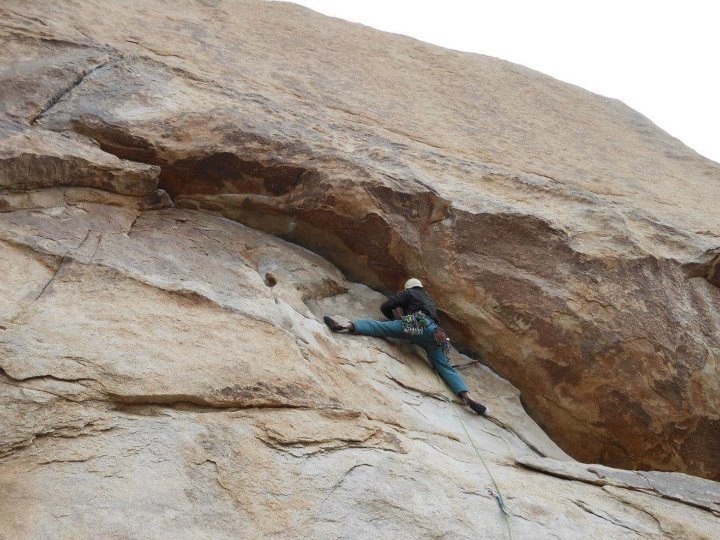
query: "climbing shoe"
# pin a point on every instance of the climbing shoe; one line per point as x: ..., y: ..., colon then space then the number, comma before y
x: 479, y: 408
x: 333, y: 324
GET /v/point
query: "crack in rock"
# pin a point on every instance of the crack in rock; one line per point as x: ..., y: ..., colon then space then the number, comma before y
x: 63, y: 92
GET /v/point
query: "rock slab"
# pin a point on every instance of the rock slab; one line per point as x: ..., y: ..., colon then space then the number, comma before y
x: 182, y: 199
x: 569, y: 241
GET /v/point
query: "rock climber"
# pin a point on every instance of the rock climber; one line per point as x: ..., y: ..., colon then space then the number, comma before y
x: 419, y: 324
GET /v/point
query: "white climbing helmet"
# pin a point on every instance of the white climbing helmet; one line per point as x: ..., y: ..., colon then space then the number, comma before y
x: 412, y: 282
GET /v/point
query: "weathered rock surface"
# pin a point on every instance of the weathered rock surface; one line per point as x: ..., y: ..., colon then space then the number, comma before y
x: 164, y: 371
x: 36, y: 158
x: 568, y: 240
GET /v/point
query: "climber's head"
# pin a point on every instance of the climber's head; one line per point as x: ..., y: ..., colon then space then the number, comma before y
x: 413, y: 282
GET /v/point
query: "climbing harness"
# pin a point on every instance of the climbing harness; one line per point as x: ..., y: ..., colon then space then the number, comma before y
x: 497, y: 493
x: 416, y: 323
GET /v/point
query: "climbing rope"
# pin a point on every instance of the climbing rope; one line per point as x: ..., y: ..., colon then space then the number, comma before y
x: 497, y: 494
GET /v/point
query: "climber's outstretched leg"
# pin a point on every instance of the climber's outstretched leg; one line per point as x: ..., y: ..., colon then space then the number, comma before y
x: 366, y: 327
x: 449, y: 374
x: 435, y: 353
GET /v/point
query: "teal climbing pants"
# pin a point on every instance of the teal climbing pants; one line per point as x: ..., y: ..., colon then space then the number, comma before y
x: 435, y: 354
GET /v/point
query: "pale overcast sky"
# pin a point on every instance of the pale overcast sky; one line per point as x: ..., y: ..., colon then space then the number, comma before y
x: 660, y: 57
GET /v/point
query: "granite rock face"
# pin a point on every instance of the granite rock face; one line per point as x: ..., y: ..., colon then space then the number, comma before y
x: 166, y: 373
x: 185, y: 189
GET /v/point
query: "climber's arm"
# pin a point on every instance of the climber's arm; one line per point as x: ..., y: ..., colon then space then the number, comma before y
x: 392, y: 303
